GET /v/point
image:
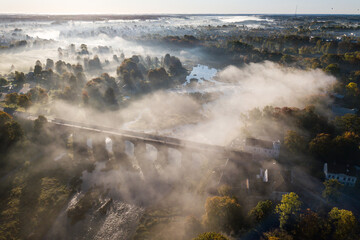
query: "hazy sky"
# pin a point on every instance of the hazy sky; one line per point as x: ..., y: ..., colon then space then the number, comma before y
x: 181, y: 6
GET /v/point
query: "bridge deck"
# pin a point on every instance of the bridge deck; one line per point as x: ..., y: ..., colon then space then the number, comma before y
x: 149, y: 138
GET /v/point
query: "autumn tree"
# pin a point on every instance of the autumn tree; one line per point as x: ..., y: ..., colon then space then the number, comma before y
x: 222, y: 214
x: 289, y: 210
x: 294, y: 142
x: 157, y: 76
x: 10, y: 131
x: 211, y: 236
x: 346, y: 147
x: 344, y: 224
x: 333, y: 69
x: 332, y: 190
x: 352, y: 89
x: 321, y: 146
x: 348, y: 123
x: 311, y: 226
x: 261, y: 211
x: 11, y: 98
x: 278, y: 234
x: 23, y: 101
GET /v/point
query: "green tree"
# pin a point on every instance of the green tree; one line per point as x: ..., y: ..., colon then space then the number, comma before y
x: 261, y: 211
x: 289, y: 210
x: 222, y: 214
x: 332, y: 190
x: 344, y: 224
x: 211, y: 236
x: 294, y: 142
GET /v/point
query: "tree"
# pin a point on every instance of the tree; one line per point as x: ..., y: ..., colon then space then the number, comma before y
x: 24, y: 101
x: 278, y: 234
x: 109, y: 96
x: 261, y: 211
x: 157, y: 76
x: 19, y: 77
x: 331, y: 191
x: 222, y: 214
x: 346, y: 147
x: 3, y: 81
x: 4, y: 117
x: 84, y: 49
x: 289, y: 210
x: 311, y: 226
x: 211, y: 236
x: 49, y: 64
x: 333, y: 69
x: 348, y: 123
x: 321, y: 146
x: 294, y: 142
x: 40, y: 123
x: 352, y: 89
x: 10, y: 132
x: 37, y: 69
x: 11, y: 98
x: 344, y: 224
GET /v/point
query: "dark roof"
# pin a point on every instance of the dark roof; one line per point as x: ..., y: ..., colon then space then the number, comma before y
x: 258, y: 143
x: 344, y: 169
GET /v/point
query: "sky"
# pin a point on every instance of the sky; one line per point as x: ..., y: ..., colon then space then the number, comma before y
x: 181, y: 6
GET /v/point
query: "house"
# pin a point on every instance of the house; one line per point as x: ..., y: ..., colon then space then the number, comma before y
x: 345, y: 175
x: 262, y: 148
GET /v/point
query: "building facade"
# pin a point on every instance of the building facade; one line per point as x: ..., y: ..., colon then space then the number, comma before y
x: 345, y: 177
x: 262, y: 148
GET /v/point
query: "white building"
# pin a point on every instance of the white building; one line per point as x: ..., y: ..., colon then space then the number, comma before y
x: 344, y: 177
x: 262, y: 148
